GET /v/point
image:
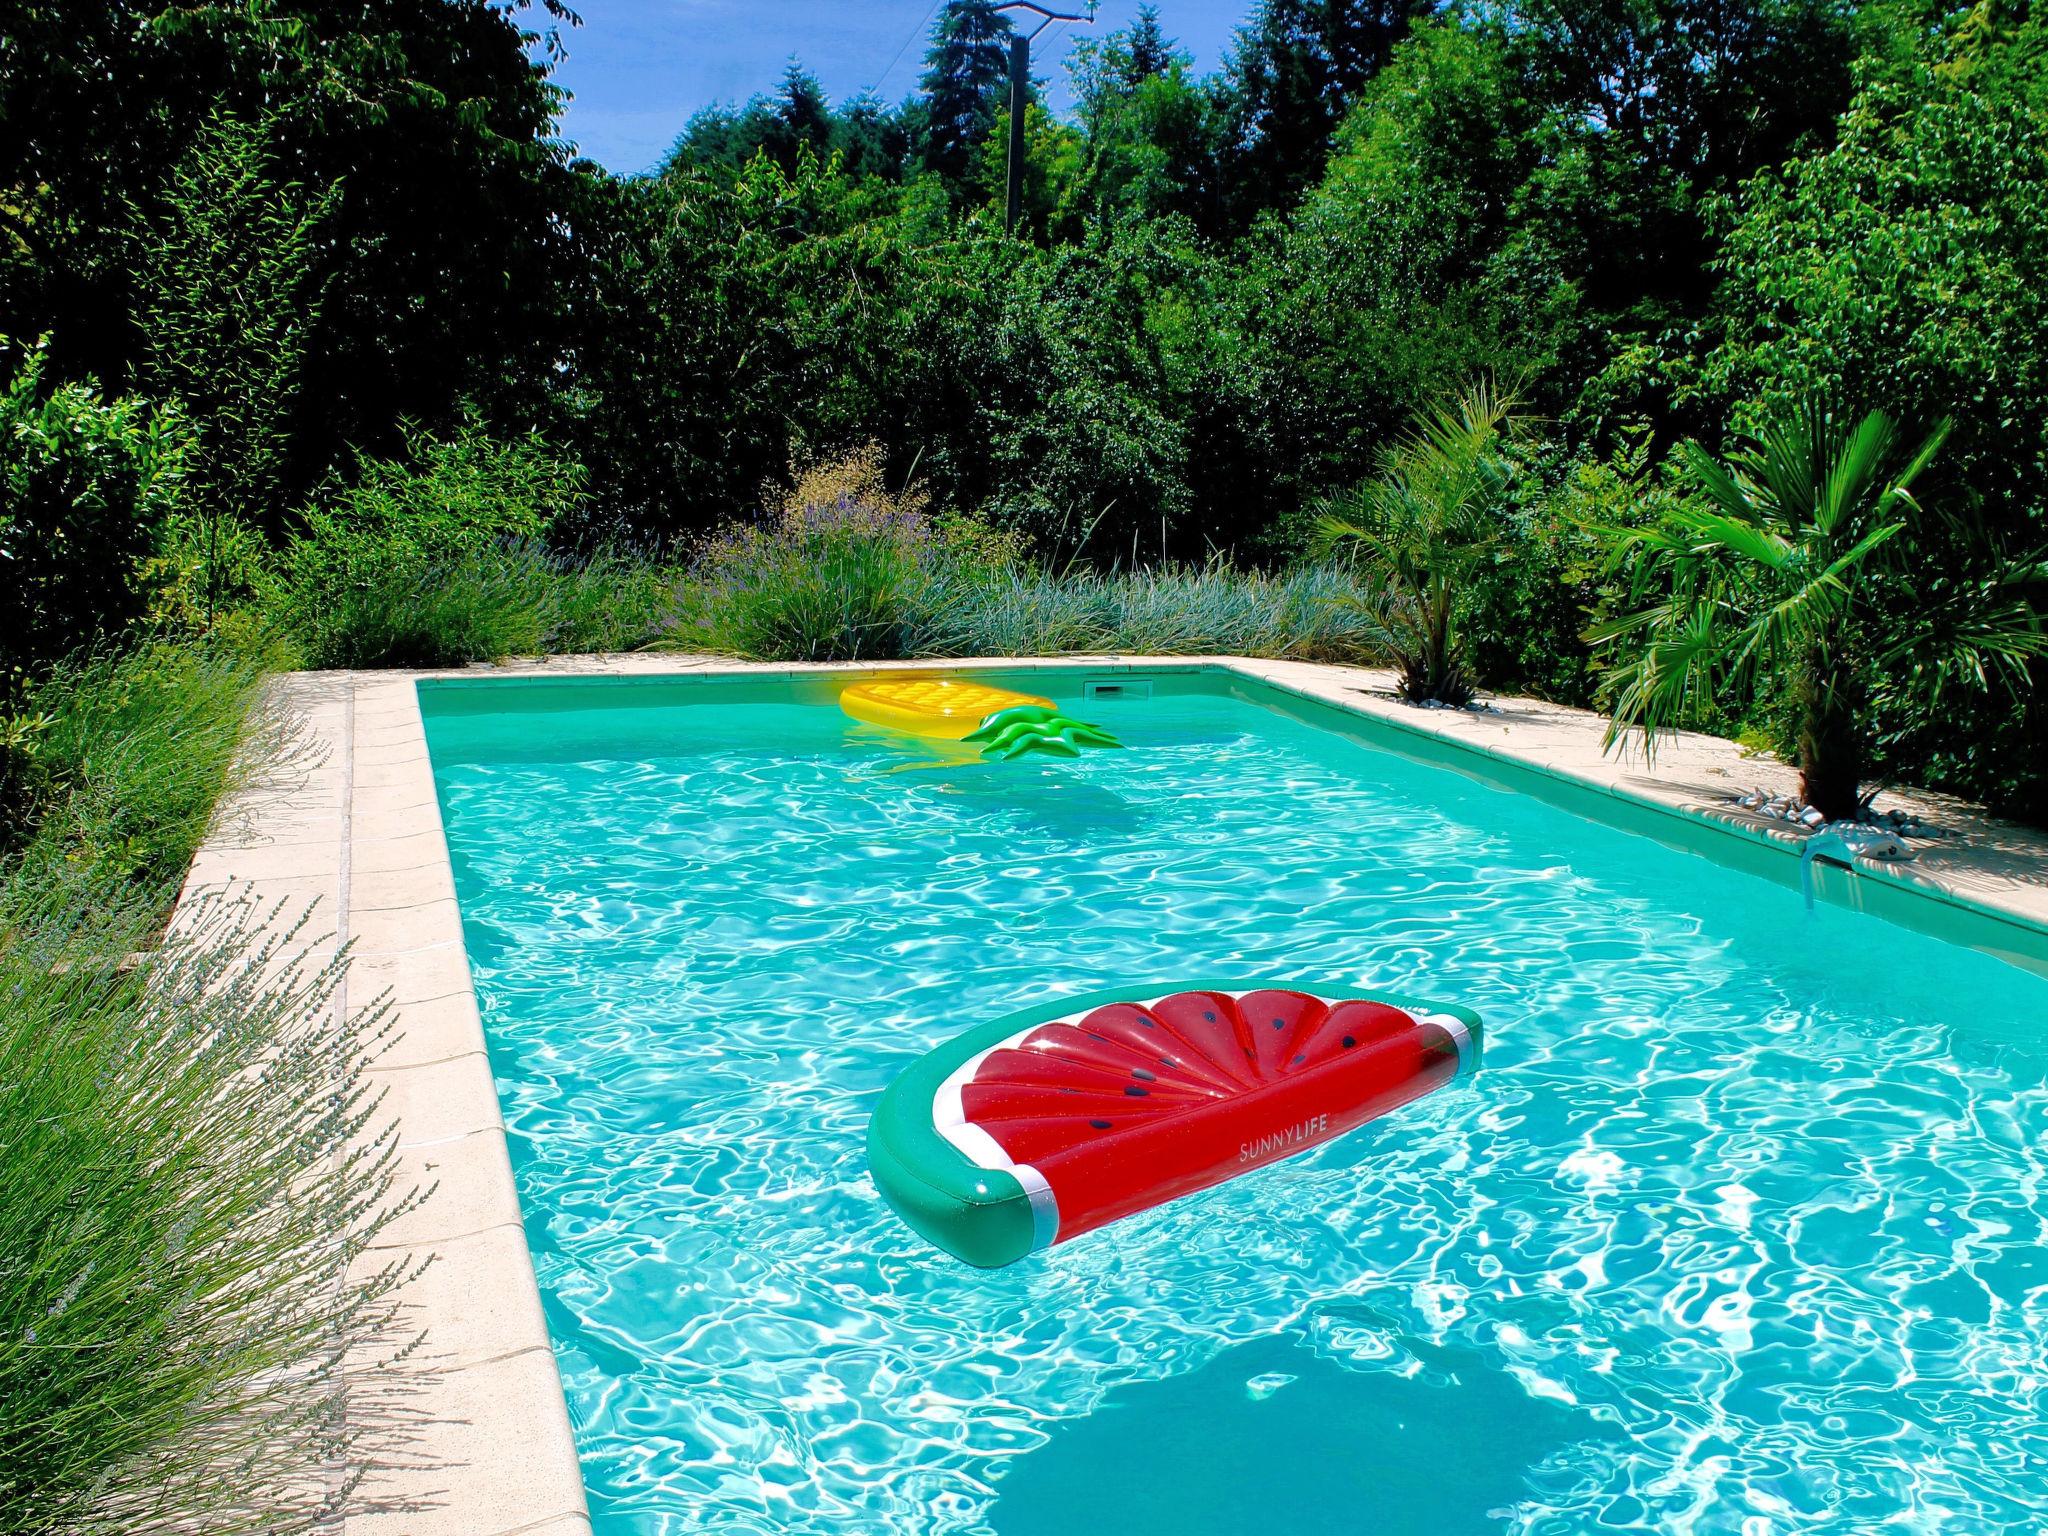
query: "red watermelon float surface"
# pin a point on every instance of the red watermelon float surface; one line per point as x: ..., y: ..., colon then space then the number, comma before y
x: 1049, y: 1123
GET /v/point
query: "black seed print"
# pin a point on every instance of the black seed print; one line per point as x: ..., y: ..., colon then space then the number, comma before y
x: 1143, y: 1076
x: 1135, y: 1091
x: 1100, y: 1125
x: 1279, y: 1023
x: 1349, y: 1042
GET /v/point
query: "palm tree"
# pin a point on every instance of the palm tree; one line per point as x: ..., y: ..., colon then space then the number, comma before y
x: 1422, y: 526
x: 1794, y: 562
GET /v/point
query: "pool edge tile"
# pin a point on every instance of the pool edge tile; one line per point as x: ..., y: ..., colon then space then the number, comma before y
x: 491, y: 1452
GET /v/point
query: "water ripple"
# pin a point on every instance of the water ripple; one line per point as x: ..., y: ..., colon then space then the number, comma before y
x: 1752, y: 1200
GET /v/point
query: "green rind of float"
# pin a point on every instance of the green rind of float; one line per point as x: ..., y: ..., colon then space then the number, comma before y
x: 981, y: 1215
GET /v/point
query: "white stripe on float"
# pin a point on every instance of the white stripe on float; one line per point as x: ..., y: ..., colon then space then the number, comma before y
x: 1457, y: 1029
x: 949, y: 1119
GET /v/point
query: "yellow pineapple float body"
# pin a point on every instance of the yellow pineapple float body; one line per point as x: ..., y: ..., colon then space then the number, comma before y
x: 943, y: 707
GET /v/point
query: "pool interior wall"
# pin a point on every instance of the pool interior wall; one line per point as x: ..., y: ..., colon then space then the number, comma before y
x: 1739, y: 1230
x: 1925, y: 909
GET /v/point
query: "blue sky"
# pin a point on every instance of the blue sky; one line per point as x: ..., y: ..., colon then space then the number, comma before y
x: 639, y: 68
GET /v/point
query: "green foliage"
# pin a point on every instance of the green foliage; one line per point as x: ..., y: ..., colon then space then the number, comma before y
x: 964, y: 84
x: 187, y: 1170
x: 116, y: 784
x: 227, y: 304
x: 1423, y: 527
x: 1525, y: 607
x: 407, y: 562
x: 86, y: 485
x: 446, y: 259
x: 1388, y: 287
x: 1796, y: 561
x: 1293, y: 73
x: 1909, y: 262
x: 1312, y: 613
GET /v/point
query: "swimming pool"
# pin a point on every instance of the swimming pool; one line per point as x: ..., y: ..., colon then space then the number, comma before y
x: 1741, y: 1229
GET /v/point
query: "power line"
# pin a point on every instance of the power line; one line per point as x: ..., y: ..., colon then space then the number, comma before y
x: 915, y: 33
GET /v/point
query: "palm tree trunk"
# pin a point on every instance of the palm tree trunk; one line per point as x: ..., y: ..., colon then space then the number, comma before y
x: 1830, y: 742
x: 1435, y: 670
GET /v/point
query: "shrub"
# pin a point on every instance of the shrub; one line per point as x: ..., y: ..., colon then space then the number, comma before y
x: 1803, y: 559
x: 1526, y: 606
x: 842, y: 582
x: 188, y: 1175
x: 228, y: 303
x: 512, y: 599
x: 429, y: 558
x: 188, y: 1180
x: 1423, y: 527
x: 842, y: 569
x: 86, y: 484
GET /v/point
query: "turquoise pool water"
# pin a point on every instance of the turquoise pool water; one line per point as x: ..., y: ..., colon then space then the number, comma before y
x: 1740, y: 1230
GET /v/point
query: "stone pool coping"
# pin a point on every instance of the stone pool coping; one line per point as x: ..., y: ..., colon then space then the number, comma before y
x: 351, y: 830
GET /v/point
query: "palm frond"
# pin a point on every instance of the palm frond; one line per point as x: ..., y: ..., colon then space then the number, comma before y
x: 1848, y: 465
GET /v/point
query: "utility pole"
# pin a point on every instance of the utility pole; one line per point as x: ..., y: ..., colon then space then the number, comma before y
x: 1020, y: 91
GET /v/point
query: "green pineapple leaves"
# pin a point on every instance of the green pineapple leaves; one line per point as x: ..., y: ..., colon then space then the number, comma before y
x: 1026, y: 728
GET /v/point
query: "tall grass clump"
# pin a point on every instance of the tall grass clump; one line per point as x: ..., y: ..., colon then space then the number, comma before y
x: 842, y: 582
x: 1309, y: 614
x: 485, y: 604
x: 839, y: 568
x: 441, y: 556
x: 188, y: 1185
x: 113, y: 768
x: 843, y: 569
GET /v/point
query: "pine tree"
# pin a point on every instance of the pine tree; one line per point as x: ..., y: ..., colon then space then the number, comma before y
x: 1105, y: 72
x: 966, y: 71
x: 873, y: 139
x: 1147, y: 50
x: 801, y: 116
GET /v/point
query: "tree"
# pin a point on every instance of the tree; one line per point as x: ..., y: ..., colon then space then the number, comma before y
x: 227, y: 298
x: 1390, y: 283
x: 1148, y: 51
x: 447, y: 249
x: 870, y: 139
x: 1150, y: 135
x: 1795, y: 566
x: 1420, y: 528
x: 801, y: 117
x: 1109, y: 69
x: 1659, y: 106
x: 966, y: 70
x: 1290, y: 78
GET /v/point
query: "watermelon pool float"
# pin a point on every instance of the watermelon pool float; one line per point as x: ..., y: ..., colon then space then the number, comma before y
x: 1051, y: 1122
